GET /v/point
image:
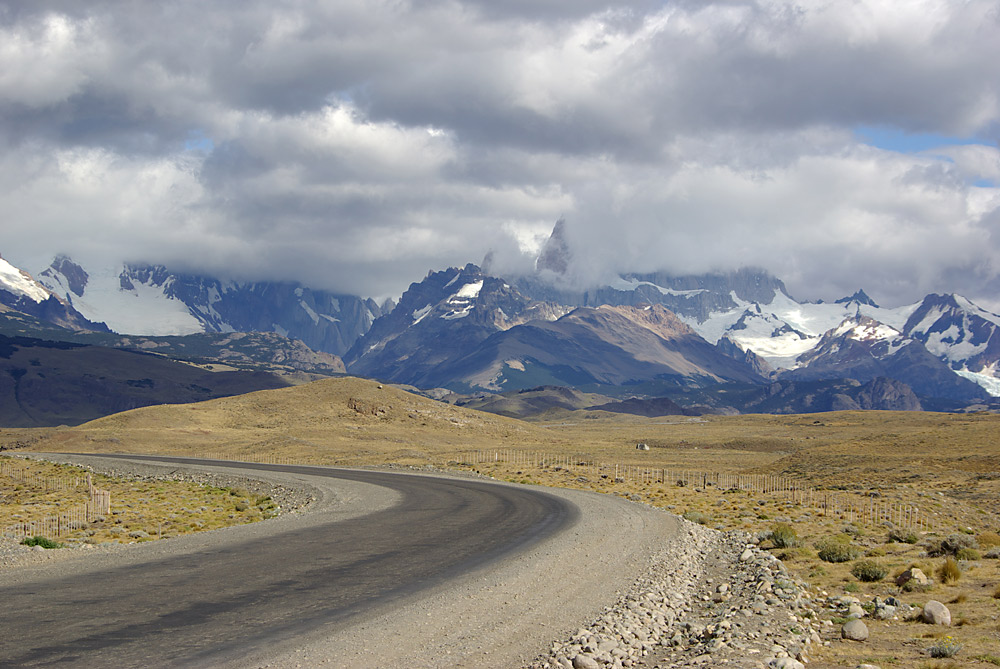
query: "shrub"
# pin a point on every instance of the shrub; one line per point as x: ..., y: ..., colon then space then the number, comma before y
x: 949, y: 572
x: 783, y: 535
x: 697, y: 517
x: 946, y: 647
x: 868, y: 571
x: 996, y: 593
x: 837, y: 549
x: 954, y: 542
x: 853, y: 530
x: 40, y: 541
x: 967, y: 554
x: 901, y: 536
x: 989, y: 539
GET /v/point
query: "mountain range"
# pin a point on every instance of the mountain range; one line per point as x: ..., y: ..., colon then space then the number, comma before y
x: 646, y: 334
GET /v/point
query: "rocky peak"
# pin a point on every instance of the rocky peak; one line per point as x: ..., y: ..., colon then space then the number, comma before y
x: 74, y: 276
x: 860, y: 297
x: 555, y: 254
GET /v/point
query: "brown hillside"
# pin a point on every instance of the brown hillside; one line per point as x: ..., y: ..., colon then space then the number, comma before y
x: 342, y: 420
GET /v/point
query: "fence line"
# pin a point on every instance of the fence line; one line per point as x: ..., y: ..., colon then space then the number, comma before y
x: 867, y: 511
x: 97, y: 505
x: 12, y: 470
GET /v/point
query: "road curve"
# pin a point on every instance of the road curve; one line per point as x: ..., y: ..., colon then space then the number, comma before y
x: 232, y: 600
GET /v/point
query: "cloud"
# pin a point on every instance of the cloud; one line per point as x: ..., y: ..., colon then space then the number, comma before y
x: 357, y: 145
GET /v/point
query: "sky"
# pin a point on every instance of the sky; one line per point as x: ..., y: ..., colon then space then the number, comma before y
x: 354, y: 146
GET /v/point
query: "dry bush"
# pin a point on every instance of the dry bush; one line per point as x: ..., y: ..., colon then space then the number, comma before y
x: 968, y: 554
x: 949, y: 571
x: 989, y: 539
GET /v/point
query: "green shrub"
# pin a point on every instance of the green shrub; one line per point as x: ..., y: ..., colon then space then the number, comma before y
x: 784, y: 535
x: 853, y: 530
x: 949, y: 571
x: 946, y: 647
x: 951, y: 544
x: 901, y: 536
x: 967, y: 554
x: 837, y: 549
x: 697, y: 517
x: 868, y: 571
x: 41, y: 541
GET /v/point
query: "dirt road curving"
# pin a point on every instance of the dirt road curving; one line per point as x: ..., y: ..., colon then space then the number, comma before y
x: 385, y: 569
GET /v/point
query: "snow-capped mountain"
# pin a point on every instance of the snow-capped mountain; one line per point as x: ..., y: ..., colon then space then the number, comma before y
x: 463, y: 329
x: 441, y: 318
x: 863, y: 349
x: 21, y: 292
x: 154, y: 301
x: 962, y: 334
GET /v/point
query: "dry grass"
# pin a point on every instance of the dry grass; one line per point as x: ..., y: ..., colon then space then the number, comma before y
x: 948, y: 465
x: 155, y: 508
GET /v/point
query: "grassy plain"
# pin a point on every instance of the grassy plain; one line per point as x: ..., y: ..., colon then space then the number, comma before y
x: 947, y: 465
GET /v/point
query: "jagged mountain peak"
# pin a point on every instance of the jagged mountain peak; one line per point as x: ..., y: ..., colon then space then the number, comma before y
x: 555, y: 255
x: 65, y: 270
x: 860, y: 297
x: 863, y: 329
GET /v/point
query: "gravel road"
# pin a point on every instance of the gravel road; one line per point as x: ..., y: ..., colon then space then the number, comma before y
x: 539, y: 607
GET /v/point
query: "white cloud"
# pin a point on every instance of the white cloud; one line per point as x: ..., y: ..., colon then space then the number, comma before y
x: 357, y: 145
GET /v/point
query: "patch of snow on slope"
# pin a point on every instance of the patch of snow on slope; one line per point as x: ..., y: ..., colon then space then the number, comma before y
x: 867, y: 331
x: 15, y: 281
x: 419, y: 314
x: 142, y: 311
x: 626, y: 285
x: 986, y: 378
x: 977, y: 310
x: 312, y: 314
x: 929, y: 319
x: 470, y: 290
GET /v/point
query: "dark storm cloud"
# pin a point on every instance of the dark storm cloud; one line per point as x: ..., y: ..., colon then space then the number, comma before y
x: 357, y: 145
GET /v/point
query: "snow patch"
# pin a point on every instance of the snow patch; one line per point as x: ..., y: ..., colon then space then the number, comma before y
x: 145, y: 310
x: 515, y: 364
x: 470, y: 290
x: 18, y: 282
x: 986, y: 378
x: 626, y: 285
x: 419, y: 314
x: 312, y: 314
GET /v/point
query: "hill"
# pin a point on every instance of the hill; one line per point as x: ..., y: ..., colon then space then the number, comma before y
x: 48, y: 383
x: 343, y: 420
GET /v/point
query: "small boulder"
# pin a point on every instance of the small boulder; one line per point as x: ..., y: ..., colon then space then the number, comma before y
x: 911, y: 574
x: 785, y: 663
x: 936, y: 613
x: 584, y: 662
x: 854, y: 630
